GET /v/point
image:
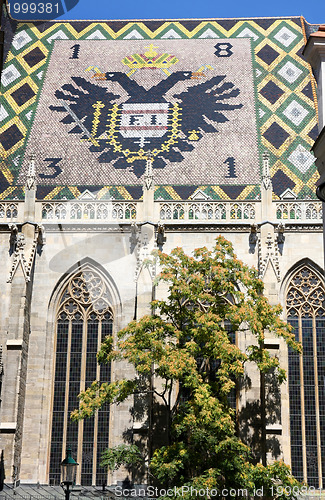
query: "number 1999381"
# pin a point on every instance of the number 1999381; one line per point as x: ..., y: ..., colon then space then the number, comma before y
x: 33, y: 8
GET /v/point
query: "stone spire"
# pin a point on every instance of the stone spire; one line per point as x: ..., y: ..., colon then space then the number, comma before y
x: 148, y: 176
x: 148, y: 190
x: 266, y: 178
x: 267, y: 208
x: 31, y: 176
x: 30, y: 192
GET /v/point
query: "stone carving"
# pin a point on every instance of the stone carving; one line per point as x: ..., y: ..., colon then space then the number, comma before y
x: 19, y: 258
x: 268, y: 254
x: 280, y: 237
x: 160, y: 235
x: 19, y: 251
x: 253, y: 237
x: 13, y: 237
x: 305, y: 295
x: 266, y: 178
x: 41, y: 239
x: 144, y: 255
x: 31, y: 177
x: 148, y: 176
x: 86, y: 293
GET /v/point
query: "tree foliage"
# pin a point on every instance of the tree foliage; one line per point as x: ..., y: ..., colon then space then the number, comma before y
x: 123, y: 454
x: 185, y: 356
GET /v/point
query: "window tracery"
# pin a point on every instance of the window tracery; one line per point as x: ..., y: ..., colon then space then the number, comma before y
x: 84, y: 319
x: 305, y: 295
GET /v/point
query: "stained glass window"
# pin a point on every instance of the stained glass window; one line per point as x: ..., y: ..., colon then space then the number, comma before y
x: 305, y: 312
x: 84, y: 319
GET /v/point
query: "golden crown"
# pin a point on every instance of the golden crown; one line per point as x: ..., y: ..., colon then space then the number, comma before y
x: 150, y: 59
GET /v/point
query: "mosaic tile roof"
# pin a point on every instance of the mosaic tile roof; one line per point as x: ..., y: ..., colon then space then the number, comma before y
x: 206, y: 98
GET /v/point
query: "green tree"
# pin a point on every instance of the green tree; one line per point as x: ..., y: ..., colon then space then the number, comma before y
x: 186, y: 360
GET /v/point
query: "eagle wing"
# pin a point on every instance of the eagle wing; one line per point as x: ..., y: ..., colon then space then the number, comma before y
x: 206, y: 104
x: 79, y: 108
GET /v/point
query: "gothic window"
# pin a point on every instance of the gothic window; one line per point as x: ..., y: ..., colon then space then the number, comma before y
x: 84, y: 319
x: 305, y: 312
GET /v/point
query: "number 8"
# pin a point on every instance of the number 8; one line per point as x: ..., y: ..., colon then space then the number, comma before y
x: 223, y: 49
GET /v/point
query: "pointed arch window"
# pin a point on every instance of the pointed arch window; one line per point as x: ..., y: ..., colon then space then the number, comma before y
x: 305, y: 312
x: 84, y: 319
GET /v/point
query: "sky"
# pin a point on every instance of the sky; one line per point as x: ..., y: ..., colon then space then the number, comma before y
x: 313, y: 11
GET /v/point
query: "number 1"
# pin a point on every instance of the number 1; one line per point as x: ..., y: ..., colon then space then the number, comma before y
x: 75, y: 51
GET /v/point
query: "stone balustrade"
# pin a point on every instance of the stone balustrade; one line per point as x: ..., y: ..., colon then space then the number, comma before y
x: 165, y: 211
x: 10, y: 211
x: 302, y: 211
x: 210, y: 211
x: 96, y: 211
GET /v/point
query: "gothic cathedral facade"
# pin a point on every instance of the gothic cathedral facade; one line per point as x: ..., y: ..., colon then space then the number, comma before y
x: 117, y: 138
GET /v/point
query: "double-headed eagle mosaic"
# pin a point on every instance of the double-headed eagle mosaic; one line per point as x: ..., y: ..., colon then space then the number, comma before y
x: 122, y: 133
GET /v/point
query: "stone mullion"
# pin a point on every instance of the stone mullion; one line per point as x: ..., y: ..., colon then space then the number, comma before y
x: 82, y: 388
x: 96, y: 415
x: 319, y: 449
x: 302, y: 398
x: 66, y: 402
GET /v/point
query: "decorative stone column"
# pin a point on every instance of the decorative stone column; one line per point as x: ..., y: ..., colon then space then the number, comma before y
x: 25, y: 236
